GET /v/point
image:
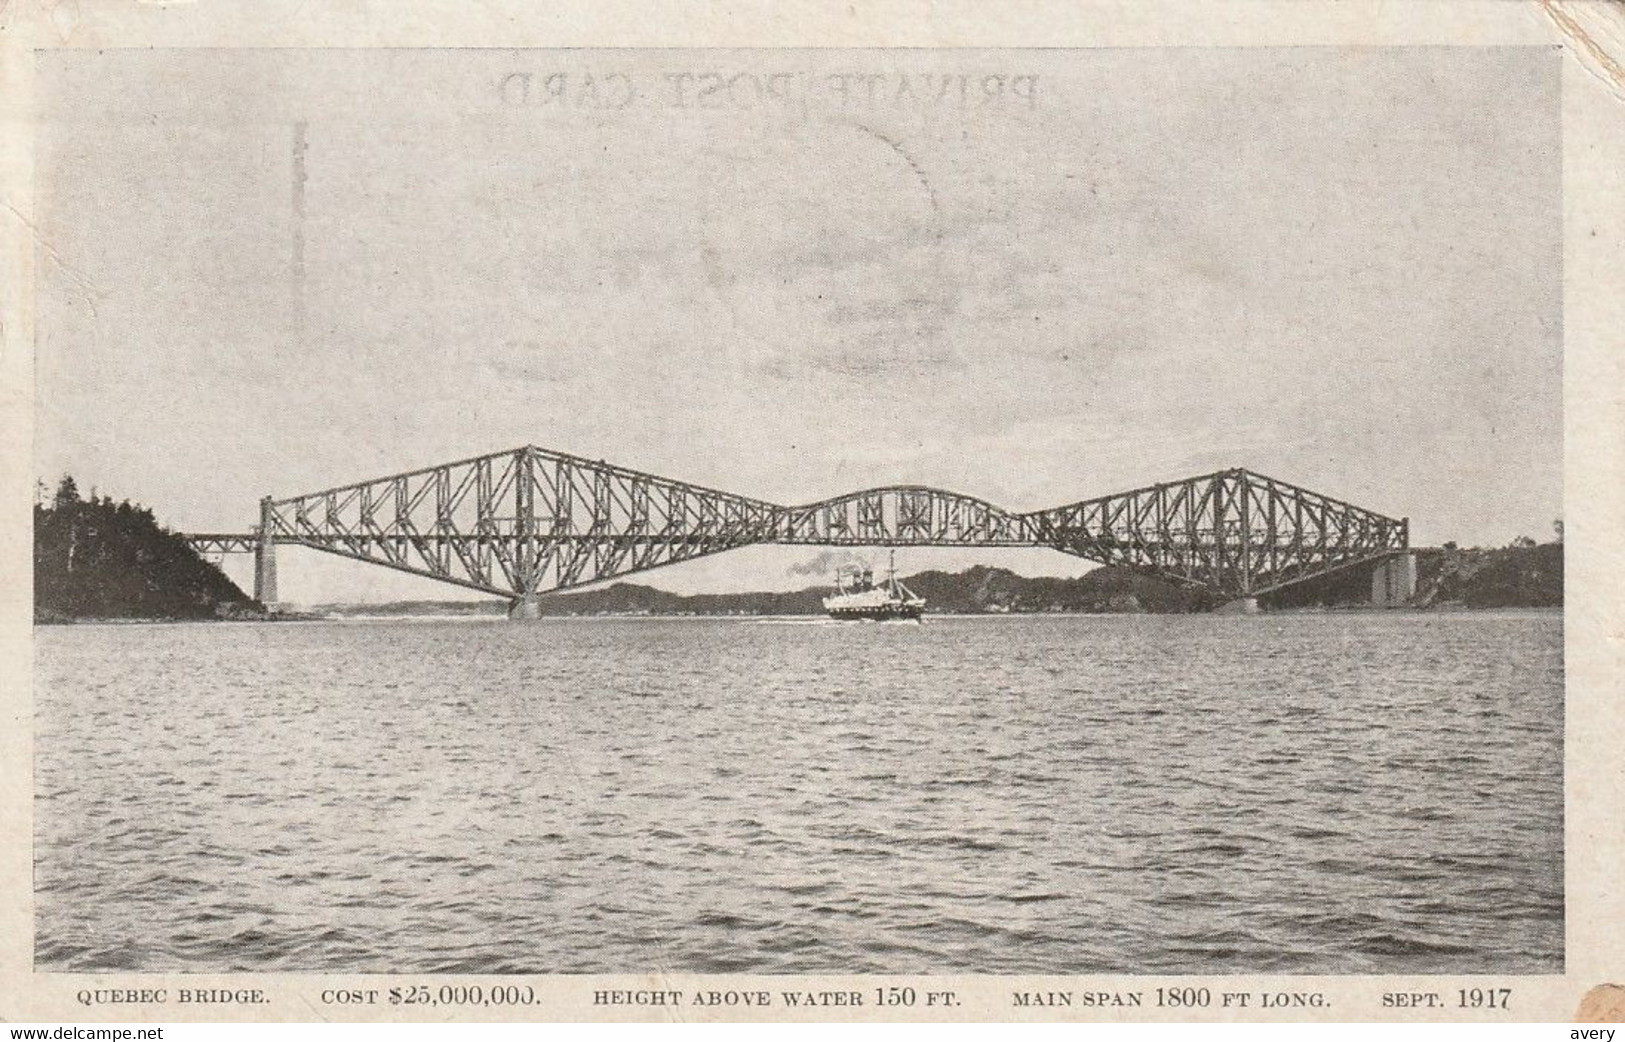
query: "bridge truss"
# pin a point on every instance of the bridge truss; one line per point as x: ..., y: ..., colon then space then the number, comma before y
x: 530, y: 521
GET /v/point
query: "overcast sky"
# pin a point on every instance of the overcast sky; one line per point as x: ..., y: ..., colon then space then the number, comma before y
x: 1032, y: 277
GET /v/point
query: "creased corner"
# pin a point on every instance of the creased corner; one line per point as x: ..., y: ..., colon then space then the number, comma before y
x: 1597, y: 31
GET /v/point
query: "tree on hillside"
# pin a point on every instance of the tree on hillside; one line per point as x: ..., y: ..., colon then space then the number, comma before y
x: 94, y: 558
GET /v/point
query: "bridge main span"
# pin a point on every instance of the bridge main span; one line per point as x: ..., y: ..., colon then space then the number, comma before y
x: 530, y: 521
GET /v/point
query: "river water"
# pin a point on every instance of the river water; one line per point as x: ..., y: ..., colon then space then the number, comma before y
x: 1196, y: 794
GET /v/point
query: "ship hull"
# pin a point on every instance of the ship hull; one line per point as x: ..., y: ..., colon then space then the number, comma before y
x: 879, y: 613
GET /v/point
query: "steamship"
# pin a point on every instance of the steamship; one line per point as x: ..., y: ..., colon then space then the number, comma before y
x: 858, y: 596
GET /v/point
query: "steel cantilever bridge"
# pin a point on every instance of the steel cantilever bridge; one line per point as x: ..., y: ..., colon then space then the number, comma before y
x: 529, y: 521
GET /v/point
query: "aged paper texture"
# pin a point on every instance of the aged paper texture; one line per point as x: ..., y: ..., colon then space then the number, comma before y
x: 830, y: 512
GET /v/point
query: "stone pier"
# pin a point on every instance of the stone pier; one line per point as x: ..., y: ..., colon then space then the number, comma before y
x: 1393, y: 582
x: 524, y: 608
x: 265, y: 558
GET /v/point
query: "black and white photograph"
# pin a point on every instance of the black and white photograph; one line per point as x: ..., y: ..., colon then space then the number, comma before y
x: 711, y: 512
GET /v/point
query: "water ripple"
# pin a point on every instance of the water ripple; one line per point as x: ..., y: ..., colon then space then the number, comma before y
x: 1310, y: 794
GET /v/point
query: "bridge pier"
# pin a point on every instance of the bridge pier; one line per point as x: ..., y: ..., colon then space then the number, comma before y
x: 1393, y: 582
x: 265, y: 559
x: 524, y: 608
